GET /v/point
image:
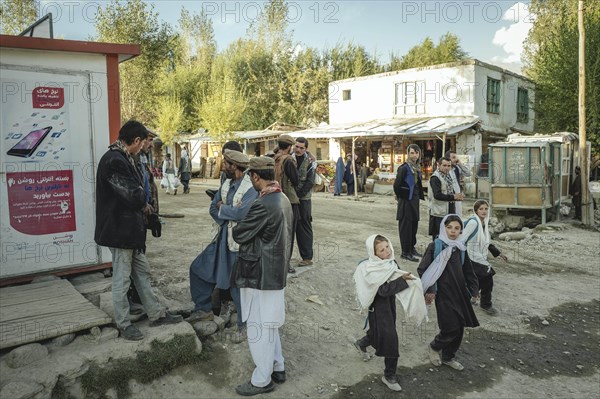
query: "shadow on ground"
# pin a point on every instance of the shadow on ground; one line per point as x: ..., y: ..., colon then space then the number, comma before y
x: 567, y: 346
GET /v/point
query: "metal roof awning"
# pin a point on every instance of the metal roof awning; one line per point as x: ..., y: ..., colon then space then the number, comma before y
x: 423, y: 126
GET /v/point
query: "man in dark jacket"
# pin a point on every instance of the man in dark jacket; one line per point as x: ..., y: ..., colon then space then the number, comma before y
x: 120, y: 208
x: 264, y: 236
x: 286, y: 174
x: 408, y: 188
x: 307, y: 166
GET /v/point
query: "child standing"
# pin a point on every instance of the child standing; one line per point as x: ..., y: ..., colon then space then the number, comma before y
x: 448, y: 279
x: 476, y: 236
x: 379, y: 281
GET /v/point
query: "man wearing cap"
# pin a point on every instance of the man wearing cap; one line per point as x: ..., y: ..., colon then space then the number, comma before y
x: 260, y: 273
x: 212, y: 268
x: 286, y: 174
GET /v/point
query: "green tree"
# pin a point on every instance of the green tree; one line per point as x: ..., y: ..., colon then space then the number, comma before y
x: 222, y: 110
x: 350, y: 60
x: 16, y: 15
x: 169, y: 118
x: 198, y: 37
x: 136, y: 22
x: 303, y: 94
x: 551, y: 60
x: 427, y: 53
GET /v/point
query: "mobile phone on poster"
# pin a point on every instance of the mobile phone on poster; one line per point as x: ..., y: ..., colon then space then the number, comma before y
x: 28, y: 144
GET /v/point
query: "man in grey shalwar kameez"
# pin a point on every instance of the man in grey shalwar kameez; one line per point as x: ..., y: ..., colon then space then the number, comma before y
x: 264, y: 236
x: 212, y: 268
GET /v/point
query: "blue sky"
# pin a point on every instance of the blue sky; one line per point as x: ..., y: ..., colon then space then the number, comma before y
x: 492, y: 31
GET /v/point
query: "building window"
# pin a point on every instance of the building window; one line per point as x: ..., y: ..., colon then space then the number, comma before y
x: 493, y: 96
x: 347, y: 95
x: 522, y: 105
x: 410, y: 98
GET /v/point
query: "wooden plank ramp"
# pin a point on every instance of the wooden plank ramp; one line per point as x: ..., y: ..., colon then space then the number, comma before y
x: 35, y: 312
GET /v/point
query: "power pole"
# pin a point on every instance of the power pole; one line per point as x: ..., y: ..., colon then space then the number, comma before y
x: 585, y: 192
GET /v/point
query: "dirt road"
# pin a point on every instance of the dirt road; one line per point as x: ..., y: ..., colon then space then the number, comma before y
x: 543, y: 343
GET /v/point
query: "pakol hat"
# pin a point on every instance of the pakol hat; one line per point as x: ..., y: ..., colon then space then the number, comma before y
x: 261, y: 163
x: 236, y: 157
x: 286, y: 138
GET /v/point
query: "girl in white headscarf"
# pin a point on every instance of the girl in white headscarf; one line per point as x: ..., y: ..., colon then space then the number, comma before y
x: 379, y: 282
x: 448, y: 279
x: 476, y: 236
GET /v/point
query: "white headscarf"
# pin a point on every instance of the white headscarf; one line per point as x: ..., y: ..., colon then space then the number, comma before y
x: 373, y: 272
x: 477, y: 247
x: 435, y: 270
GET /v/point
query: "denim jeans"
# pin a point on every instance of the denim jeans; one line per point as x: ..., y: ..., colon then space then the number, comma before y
x: 131, y: 262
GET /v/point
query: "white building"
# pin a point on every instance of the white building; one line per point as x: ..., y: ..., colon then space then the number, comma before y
x: 463, y: 105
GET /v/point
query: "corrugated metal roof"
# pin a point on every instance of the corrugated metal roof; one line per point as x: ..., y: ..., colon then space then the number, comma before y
x: 391, y: 127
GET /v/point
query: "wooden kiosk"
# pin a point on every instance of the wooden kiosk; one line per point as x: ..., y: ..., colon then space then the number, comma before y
x: 531, y: 172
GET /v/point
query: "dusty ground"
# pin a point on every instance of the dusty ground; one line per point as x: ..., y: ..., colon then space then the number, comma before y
x: 553, y: 277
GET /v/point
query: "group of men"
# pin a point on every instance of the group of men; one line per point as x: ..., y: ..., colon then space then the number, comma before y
x: 250, y: 252
x: 444, y: 195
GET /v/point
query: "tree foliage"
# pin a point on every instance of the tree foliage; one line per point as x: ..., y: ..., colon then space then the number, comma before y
x: 181, y: 82
x: 551, y: 60
x: 427, y: 53
x: 169, y: 118
x: 16, y: 15
x: 136, y: 22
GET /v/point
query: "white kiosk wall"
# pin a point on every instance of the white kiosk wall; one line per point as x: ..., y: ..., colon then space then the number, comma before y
x: 47, y: 194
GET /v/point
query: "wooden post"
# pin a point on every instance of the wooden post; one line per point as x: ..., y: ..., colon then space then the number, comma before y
x: 586, y: 215
x: 444, y: 145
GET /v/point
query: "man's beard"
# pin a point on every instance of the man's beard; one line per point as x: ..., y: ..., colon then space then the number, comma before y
x: 229, y: 174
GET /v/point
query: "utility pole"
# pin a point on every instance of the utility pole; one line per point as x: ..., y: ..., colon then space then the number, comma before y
x: 585, y: 192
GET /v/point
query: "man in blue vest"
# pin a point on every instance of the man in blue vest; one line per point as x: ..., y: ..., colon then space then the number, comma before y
x: 408, y: 188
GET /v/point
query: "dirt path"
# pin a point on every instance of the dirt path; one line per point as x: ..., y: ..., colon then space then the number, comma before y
x: 553, y: 277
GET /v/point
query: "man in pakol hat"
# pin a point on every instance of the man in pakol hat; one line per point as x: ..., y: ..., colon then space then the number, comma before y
x: 286, y: 174
x: 212, y: 268
x: 264, y: 236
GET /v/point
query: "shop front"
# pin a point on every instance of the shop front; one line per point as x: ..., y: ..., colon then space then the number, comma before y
x: 379, y: 146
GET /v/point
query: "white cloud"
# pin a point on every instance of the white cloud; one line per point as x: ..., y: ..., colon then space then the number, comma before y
x: 512, y: 38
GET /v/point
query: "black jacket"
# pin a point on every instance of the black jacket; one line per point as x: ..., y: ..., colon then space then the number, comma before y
x: 265, y: 237
x: 120, y: 200
x: 382, y: 319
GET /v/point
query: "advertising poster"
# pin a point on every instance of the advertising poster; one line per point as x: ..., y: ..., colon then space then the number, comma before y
x: 41, y: 202
x: 47, y: 188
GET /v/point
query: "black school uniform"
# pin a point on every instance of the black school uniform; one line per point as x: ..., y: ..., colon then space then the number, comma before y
x: 455, y: 287
x: 382, y: 334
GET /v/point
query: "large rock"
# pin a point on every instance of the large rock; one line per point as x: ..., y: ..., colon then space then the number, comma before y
x: 514, y: 222
x: 25, y: 355
x: 20, y: 390
x: 63, y: 340
x: 205, y: 328
x: 513, y: 236
x: 69, y: 363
